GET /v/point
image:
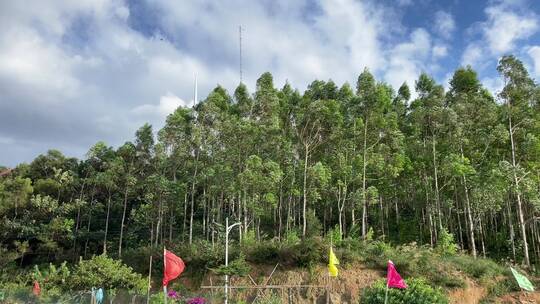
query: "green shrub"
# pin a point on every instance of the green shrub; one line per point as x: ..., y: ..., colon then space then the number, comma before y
x: 265, y: 252
x: 291, y: 237
x: 446, y: 244
x: 478, y: 268
x: 249, y: 238
x: 334, y: 237
x: 306, y: 254
x: 418, y: 292
x: 238, y: 267
x: 499, y: 288
x: 105, y: 272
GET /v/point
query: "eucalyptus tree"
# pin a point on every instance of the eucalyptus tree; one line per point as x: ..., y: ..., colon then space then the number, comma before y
x: 476, y: 131
x: 517, y: 94
x: 127, y: 153
x: 178, y: 138
x: 428, y: 116
x: 316, y: 122
x: 370, y: 113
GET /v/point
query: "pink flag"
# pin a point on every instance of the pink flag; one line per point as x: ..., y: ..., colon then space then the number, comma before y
x: 393, y: 279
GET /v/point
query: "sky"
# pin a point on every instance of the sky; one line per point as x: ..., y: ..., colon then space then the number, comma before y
x: 73, y: 73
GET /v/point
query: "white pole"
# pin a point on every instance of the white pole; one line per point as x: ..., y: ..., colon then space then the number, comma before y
x: 195, y: 93
x: 386, y: 294
x: 164, y: 287
x: 227, y: 230
x: 226, y: 259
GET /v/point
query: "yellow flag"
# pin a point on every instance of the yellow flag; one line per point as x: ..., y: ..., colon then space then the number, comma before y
x: 332, y: 262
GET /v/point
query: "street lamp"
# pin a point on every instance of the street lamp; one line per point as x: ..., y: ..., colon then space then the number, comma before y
x: 227, y: 230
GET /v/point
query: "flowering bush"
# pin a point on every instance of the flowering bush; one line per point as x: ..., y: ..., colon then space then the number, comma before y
x: 197, y: 300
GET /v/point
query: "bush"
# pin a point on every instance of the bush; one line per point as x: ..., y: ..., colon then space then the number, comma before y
x: 265, y: 252
x: 418, y: 292
x: 499, y: 288
x: 446, y: 244
x: 478, y: 268
x: 306, y: 254
x: 238, y: 267
x: 102, y: 271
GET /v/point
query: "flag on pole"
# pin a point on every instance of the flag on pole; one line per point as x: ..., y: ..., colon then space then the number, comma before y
x: 173, y: 267
x: 393, y: 279
x: 332, y: 262
x: 36, y: 290
x: 522, y: 280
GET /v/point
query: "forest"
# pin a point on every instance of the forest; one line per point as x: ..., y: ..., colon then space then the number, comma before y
x: 358, y: 161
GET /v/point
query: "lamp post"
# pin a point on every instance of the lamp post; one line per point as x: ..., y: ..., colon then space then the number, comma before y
x: 227, y: 230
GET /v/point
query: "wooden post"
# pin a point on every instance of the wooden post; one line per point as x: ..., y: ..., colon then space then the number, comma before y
x: 289, y: 295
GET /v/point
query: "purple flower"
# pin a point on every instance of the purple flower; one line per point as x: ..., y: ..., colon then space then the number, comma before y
x: 196, y: 301
x: 173, y: 294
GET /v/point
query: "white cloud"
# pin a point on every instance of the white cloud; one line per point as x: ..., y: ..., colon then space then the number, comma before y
x: 440, y: 51
x: 408, y: 59
x: 534, y: 53
x: 472, y: 55
x: 167, y: 104
x: 444, y: 24
x: 75, y: 72
x: 507, y: 24
x: 505, y: 27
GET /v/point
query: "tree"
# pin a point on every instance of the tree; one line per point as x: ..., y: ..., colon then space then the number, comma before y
x: 316, y: 121
x: 517, y: 94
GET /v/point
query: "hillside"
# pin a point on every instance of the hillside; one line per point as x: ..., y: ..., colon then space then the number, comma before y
x: 443, y: 181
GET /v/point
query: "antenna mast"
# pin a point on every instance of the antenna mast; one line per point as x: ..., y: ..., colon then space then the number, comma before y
x: 240, y: 38
x: 195, y: 92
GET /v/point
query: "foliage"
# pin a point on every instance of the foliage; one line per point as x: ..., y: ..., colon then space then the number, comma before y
x: 445, y: 243
x: 106, y: 272
x: 418, y: 291
x: 238, y: 267
x: 378, y: 173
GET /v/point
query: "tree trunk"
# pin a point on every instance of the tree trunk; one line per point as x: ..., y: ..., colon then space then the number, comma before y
x: 364, y: 166
x: 518, y: 193
x: 123, y: 221
x: 469, y: 218
x: 304, y: 206
x: 435, y: 174
x: 193, y: 198
x: 107, y: 223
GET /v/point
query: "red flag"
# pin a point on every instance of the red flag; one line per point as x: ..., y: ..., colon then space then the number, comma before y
x: 173, y: 266
x: 36, y: 290
x: 393, y: 279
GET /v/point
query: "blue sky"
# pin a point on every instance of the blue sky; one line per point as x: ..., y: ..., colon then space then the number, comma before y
x: 76, y: 72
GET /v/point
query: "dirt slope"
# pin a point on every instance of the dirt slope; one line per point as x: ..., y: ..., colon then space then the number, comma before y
x: 345, y: 289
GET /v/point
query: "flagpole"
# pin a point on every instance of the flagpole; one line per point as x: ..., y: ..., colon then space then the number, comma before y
x: 386, y: 293
x: 164, y: 286
x: 149, y: 281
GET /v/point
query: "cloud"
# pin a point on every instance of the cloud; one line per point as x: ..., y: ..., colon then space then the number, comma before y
x: 472, y: 55
x: 507, y: 24
x: 505, y: 27
x: 167, y: 104
x: 440, y: 51
x: 534, y: 53
x: 444, y: 24
x: 76, y: 72
x: 408, y: 59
